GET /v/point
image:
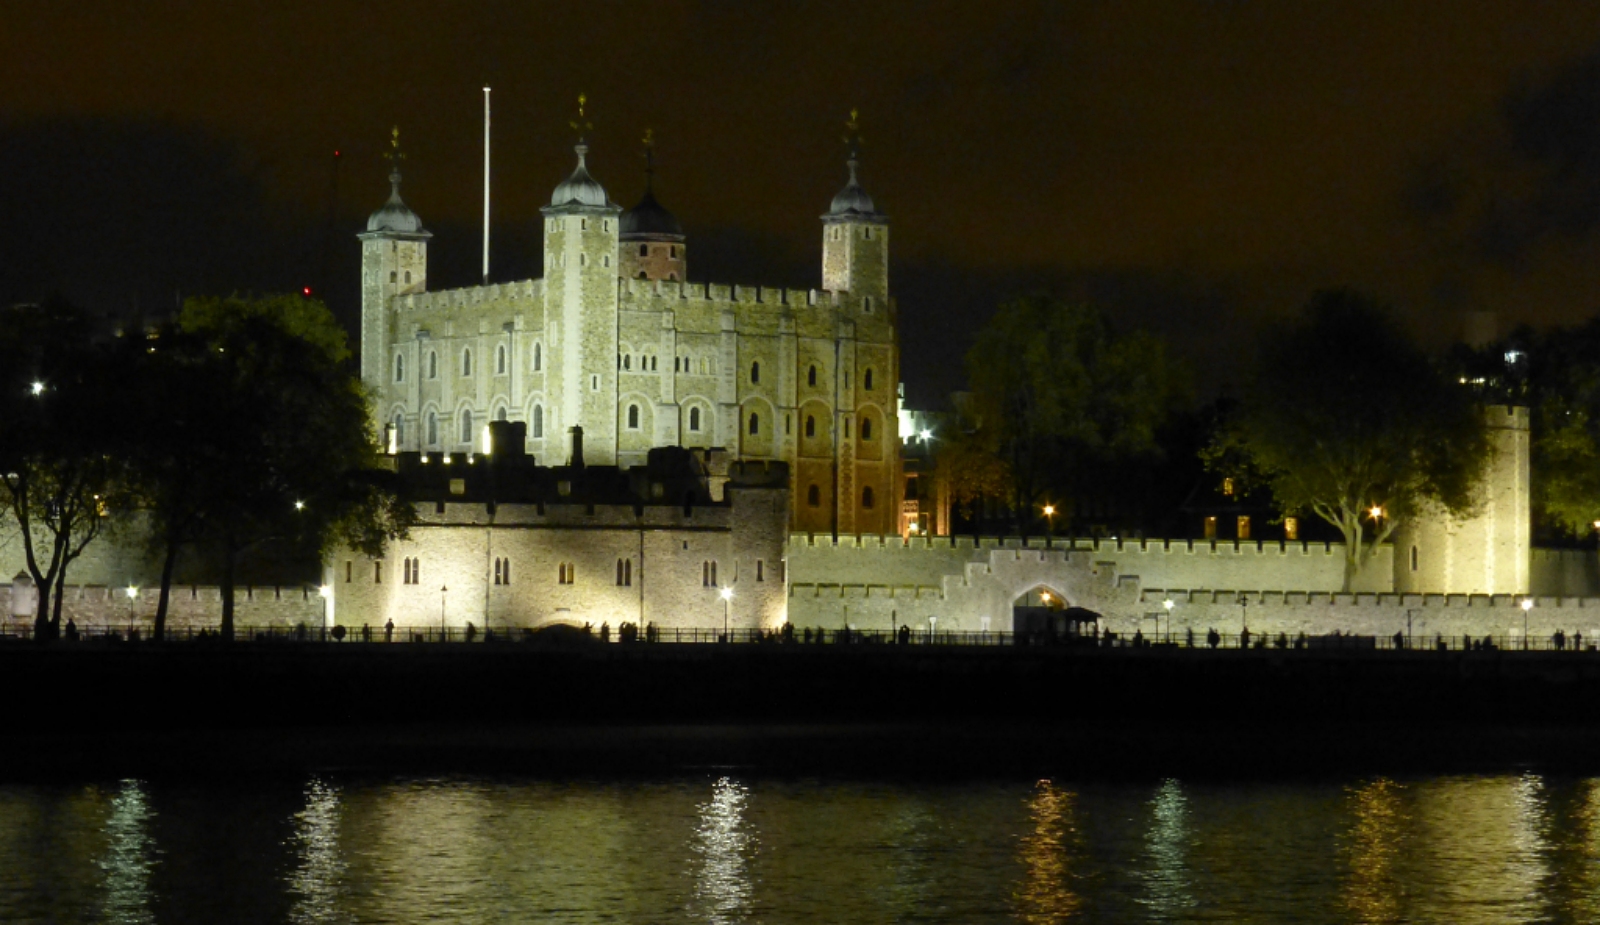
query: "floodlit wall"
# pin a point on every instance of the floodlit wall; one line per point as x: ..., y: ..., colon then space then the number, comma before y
x: 1565, y: 573
x: 826, y: 590
x: 532, y: 566
x: 189, y: 608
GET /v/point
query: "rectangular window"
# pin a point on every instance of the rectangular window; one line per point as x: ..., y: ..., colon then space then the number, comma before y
x: 760, y: 570
x: 1211, y: 528
x: 1291, y: 528
x: 1244, y: 527
x: 377, y: 573
x: 349, y: 570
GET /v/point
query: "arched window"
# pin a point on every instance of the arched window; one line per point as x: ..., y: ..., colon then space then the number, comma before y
x: 867, y: 497
x: 393, y: 276
x: 627, y: 361
x: 466, y: 362
x: 755, y: 423
x: 814, y: 496
x: 755, y: 372
x: 624, y: 572
x: 408, y: 277
x: 399, y: 428
x: 633, y: 417
x: 538, y: 356
x: 866, y: 379
x: 500, y: 413
x: 867, y: 302
x: 500, y: 360
x: 433, y: 429
x: 694, y: 420
x: 433, y: 364
x: 811, y: 426
x: 811, y: 376
x: 399, y: 367
x: 466, y: 426
x: 708, y: 573
x: 502, y: 571
x: 538, y: 422
x: 866, y: 428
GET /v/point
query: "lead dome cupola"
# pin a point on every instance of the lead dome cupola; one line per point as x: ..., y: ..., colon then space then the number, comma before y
x: 580, y: 189
x: 395, y: 216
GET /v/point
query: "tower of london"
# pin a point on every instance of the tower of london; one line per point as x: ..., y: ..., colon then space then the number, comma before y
x: 616, y: 340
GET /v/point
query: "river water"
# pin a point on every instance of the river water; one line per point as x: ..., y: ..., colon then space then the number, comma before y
x: 718, y: 847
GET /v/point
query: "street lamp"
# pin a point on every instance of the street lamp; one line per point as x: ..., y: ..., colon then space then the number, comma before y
x: 1050, y: 520
x: 727, y: 605
x: 1168, y: 605
x: 1527, y: 605
x: 443, y: 590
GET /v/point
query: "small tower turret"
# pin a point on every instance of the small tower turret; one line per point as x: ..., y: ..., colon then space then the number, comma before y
x: 394, y: 262
x: 580, y: 291
x: 652, y: 241
x: 855, y: 237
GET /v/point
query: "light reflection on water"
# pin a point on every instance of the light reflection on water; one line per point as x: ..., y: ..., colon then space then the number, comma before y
x: 722, y: 884
x: 727, y: 849
x: 129, y: 857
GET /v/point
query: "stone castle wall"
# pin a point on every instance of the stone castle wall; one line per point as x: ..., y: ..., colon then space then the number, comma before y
x: 693, y: 363
x: 964, y: 585
x: 190, y: 608
x: 572, y: 564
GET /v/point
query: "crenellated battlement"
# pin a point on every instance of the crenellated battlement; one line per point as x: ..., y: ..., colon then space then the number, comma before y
x: 467, y: 297
x: 726, y: 293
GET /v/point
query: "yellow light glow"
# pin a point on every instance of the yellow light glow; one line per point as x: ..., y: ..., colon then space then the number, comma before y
x: 133, y: 592
x: 1376, y: 512
x: 488, y: 444
x: 1049, y: 510
x: 1168, y: 604
x: 1527, y: 603
x: 325, y: 591
x: 424, y: 459
x: 299, y: 505
x: 727, y: 594
x: 38, y: 387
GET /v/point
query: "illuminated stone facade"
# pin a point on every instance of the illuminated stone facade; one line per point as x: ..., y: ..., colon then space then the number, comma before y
x: 613, y: 339
x: 508, y: 545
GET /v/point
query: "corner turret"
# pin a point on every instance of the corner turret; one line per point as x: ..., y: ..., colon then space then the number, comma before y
x: 855, y: 239
x: 580, y: 252
x: 394, y: 262
x: 652, y: 241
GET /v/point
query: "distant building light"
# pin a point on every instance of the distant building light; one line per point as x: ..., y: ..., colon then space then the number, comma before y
x: 926, y: 435
x: 1513, y: 357
x: 299, y: 505
x: 37, y: 388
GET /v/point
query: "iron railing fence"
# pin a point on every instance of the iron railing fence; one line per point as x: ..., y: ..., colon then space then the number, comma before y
x: 124, y: 634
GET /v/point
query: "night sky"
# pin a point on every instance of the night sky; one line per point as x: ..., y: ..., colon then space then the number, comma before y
x: 1194, y: 167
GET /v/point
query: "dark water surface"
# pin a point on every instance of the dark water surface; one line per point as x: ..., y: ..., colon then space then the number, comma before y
x: 721, y: 847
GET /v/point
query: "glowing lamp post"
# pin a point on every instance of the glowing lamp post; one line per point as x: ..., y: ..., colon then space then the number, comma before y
x: 1050, y: 522
x: 443, y: 590
x: 727, y: 606
x: 1168, y: 605
x: 1527, y: 605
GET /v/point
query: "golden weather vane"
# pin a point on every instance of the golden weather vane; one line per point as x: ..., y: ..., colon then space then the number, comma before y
x: 581, y: 124
x: 852, y: 127
x: 394, y: 155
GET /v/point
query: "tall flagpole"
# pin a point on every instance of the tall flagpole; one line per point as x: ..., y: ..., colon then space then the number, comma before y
x: 486, y: 184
